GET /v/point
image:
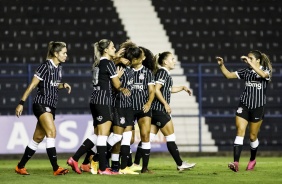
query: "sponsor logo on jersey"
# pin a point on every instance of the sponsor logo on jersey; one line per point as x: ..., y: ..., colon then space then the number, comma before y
x: 54, y: 83
x: 138, y: 86
x: 253, y: 84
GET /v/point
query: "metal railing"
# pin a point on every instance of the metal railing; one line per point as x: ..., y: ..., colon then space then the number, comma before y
x: 197, y: 71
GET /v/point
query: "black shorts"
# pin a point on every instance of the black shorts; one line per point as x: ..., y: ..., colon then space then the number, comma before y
x: 140, y: 114
x: 160, y: 118
x: 123, y: 117
x: 101, y: 113
x: 39, y: 109
x: 251, y: 115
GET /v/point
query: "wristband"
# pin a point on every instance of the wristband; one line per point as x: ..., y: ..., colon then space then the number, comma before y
x: 21, y: 102
x: 64, y: 85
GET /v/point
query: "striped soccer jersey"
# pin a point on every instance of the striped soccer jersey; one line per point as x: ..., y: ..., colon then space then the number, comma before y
x: 254, y: 94
x: 50, y: 77
x: 143, y: 77
x: 120, y: 100
x: 102, y: 86
x: 163, y: 77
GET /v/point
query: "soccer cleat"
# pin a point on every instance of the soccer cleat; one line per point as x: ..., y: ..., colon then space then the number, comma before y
x: 146, y: 171
x: 135, y: 167
x: 60, y: 171
x: 251, y: 165
x: 74, y: 165
x: 21, y: 171
x: 127, y: 170
x: 186, y: 165
x: 234, y: 166
x: 94, y: 167
x: 107, y: 171
x: 85, y: 167
x: 114, y: 171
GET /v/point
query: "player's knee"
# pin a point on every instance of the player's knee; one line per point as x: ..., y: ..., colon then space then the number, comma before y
x: 152, y: 136
x: 170, y: 138
x: 114, y: 139
x: 126, y: 138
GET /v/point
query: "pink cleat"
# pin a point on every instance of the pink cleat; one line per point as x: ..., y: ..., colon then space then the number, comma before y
x: 107, y: 171
x: 74, y: 165
x: 234, y: 166
x: 251, y: 165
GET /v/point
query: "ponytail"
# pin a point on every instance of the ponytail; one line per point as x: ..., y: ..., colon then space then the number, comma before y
x: 265, y: 62
x: 54, y: 47
x: 99, y: 48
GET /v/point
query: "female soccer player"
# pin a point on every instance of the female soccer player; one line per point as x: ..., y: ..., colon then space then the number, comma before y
x: 123, y: 118
x: 48, y: 80
x: 104, y: 77
x: 252, y: 100
x: 161, y: 119
x: 142, y: 95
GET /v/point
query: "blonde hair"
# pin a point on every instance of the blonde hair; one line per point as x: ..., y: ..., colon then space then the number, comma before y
x: 99, y: 48
x: 54, y: 47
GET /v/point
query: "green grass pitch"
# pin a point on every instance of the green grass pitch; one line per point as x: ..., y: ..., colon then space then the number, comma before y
x: 208, y: 170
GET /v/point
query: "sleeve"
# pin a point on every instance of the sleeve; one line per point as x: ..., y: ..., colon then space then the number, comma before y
x: 241, y: 73
x: 112, y: 69
x: 161, y: 77
x: 268, y: 72
x: 150, y: 76
x: 41, y: 71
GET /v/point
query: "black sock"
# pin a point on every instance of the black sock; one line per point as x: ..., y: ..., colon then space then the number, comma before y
x: 52, y: 154
x: 253, y: 153
x: 173, y: 150
x: 28, y: 153
x: 237, y: 152
x: 138, y: 154
x: 109, y: 153
x: 86, y: 146
x: 129, y: 160
x: 86, y: 159
x: 96, y: 157
x: 102, y: 151
x: 115, y: 165
x: 145, y: 158
x: 124, y: 156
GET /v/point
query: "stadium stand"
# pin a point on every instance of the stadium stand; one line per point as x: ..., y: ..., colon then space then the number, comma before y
x: 27, y: 27
x: 199, y: 30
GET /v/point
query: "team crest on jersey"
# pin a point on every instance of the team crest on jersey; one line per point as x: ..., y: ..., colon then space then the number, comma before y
x: 99, y: 118
x: 122, y: 120
x: 47, y: 109
x: 239, y: 110
x: 141, y: 76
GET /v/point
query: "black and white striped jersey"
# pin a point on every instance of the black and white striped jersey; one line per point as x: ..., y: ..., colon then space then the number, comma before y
x: 50, y: 77
x: 163, y: 77
x: 143, y: 77
x: 102, y: 85
x: 120, y: 100
x: 254, y: 94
